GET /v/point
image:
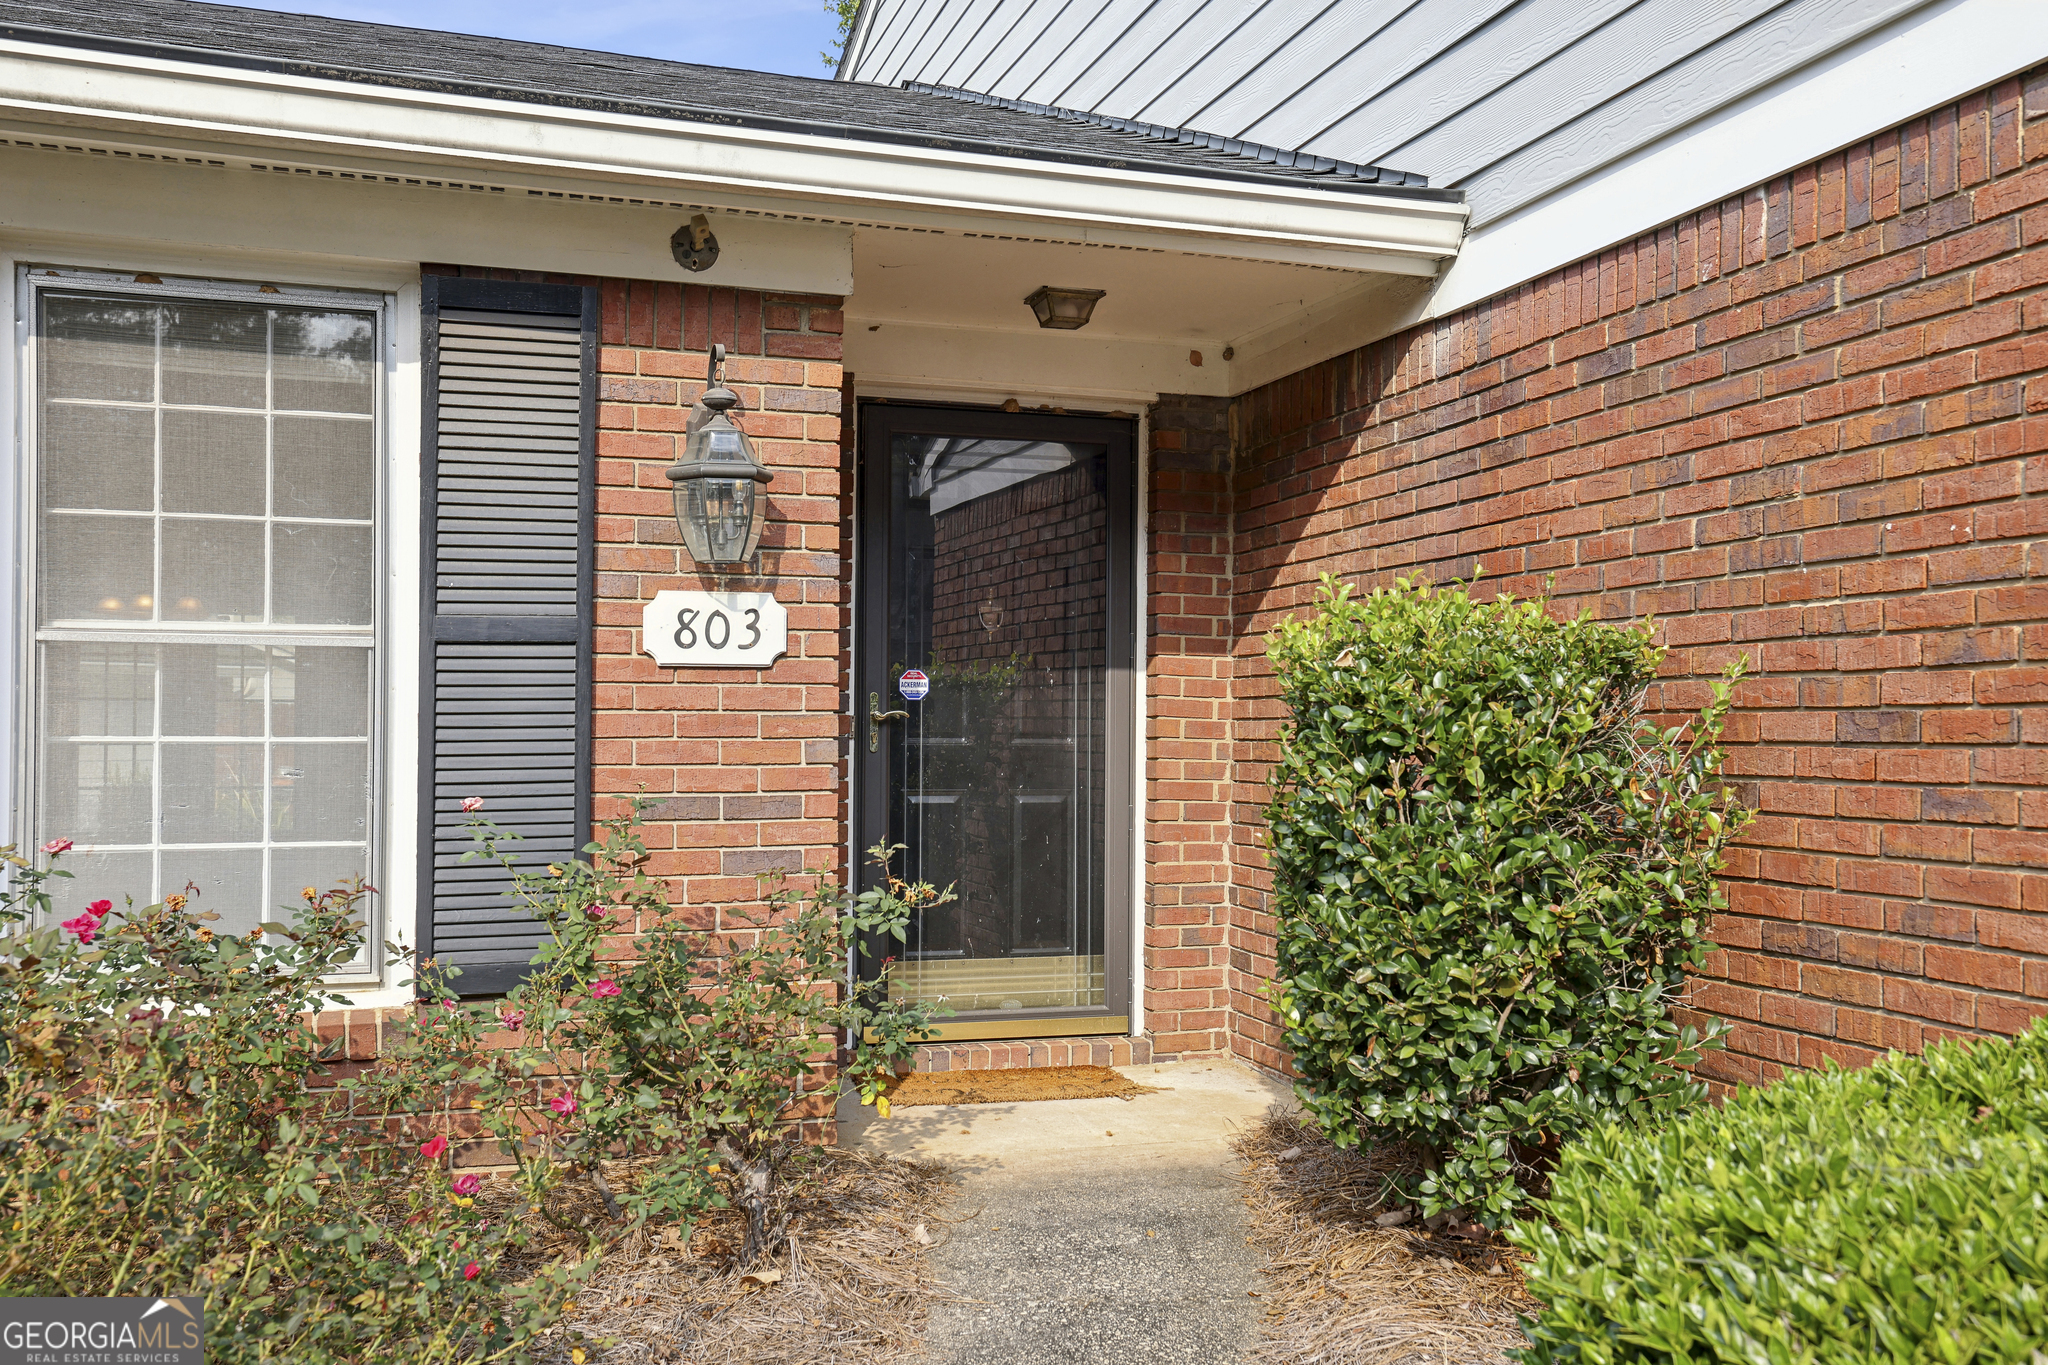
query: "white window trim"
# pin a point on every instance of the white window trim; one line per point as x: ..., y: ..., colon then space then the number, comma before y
x: 395, y: 722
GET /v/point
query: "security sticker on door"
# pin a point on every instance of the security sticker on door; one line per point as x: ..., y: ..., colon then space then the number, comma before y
x: 914, y: 685
x: 715, y: 629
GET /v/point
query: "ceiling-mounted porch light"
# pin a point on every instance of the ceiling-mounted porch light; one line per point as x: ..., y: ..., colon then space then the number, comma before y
x: 720, y: 488
x: 1065, y: 309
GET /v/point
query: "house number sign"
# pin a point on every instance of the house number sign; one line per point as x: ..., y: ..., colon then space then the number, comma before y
x: 715, y: 629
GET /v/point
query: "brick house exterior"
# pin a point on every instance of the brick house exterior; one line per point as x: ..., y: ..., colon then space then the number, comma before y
x: 1803, y: 427
x: 1795, y: 427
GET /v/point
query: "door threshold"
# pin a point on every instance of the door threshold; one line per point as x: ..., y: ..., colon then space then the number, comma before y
x: 1008, y: 1030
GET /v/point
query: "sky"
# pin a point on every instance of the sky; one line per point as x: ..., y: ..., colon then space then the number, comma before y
x: 755, y: 35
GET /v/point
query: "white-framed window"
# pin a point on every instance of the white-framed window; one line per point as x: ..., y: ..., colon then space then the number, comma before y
x: 200, y: 594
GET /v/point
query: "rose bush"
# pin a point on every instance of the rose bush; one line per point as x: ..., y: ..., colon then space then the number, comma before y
x: 169, y: 1123
x: 696, y: 1046
x: 158, y: 1135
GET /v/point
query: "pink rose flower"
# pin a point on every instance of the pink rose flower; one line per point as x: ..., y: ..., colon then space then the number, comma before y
x: 594, y: 911
x: 433, y: 1146
x: 564, y: 1105
x: 512, y: 1019
x: 100, y: 909
x: 472, y: 804
x: 451, y: 1004
x: 56, y: 846
x: 84, y: 926
x: 603, y: 990
x: 471, y: 1271
x: 468, y: 1185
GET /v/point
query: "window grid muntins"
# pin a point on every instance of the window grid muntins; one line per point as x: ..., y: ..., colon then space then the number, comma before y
x: 223, y: 694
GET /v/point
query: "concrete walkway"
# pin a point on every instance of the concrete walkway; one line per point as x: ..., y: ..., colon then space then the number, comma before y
x: 1094, y: 1232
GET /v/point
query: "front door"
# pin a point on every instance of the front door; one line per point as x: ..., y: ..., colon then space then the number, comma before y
x: 993, y: 709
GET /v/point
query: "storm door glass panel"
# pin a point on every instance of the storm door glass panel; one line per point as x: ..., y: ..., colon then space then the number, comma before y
x: 998, y: 596
x: 204, y: 556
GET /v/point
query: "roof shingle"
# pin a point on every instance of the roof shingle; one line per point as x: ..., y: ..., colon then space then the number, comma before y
x: 541, y: 73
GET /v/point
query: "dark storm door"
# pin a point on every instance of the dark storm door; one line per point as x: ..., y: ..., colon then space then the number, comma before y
x: 993, y: 709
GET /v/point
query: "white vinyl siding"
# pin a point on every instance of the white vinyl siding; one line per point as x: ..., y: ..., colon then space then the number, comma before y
x: 1508, y: 100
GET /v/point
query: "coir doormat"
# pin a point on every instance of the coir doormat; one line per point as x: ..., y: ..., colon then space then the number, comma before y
x: 1010, y: 1085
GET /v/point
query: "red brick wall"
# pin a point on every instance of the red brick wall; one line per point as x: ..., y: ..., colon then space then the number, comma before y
x: 745, y: 762
x: 1185, y: 955
x: 1798, y: 426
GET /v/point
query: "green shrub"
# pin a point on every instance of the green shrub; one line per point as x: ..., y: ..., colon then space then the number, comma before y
x: 1490, y: 877
x: 1897, y: 1213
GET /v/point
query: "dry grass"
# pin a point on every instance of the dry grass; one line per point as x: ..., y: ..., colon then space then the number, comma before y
x: 853, y: 1287
x: 1342, y: 1290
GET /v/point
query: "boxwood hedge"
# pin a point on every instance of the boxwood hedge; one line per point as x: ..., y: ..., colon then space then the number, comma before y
x: 1896, y: 1213
x: 1490, y: 876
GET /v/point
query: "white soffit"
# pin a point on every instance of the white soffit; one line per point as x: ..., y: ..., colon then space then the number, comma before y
x: 373, y: 128
x: 1922, y: 62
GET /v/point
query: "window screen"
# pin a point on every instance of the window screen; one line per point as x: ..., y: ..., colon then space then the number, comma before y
x: 204, y: 593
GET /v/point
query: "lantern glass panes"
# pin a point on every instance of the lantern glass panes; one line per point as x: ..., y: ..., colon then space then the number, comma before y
x: 1063, y: 309
x: 721, y: 500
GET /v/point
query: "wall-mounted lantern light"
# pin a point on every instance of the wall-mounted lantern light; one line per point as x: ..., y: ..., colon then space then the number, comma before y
x: 1065, y: 309
x: 720, y: 488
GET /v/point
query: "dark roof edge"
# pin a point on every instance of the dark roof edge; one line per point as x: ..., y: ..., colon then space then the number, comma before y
x: 1306, y: 161
x: 692, y: 113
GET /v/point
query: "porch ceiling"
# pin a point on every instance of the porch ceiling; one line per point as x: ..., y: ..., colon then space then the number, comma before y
x: 937, y: 312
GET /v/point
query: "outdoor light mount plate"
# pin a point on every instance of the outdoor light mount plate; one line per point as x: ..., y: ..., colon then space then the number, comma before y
x: 694, y: 246
x: 714, y: 629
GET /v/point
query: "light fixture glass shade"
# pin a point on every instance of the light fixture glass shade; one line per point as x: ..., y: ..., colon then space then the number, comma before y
x: 1064, y: 309
x: 721, y: 491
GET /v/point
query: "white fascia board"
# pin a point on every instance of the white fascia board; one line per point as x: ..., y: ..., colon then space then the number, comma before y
x: 708, y: 160
x: 1922, y: 62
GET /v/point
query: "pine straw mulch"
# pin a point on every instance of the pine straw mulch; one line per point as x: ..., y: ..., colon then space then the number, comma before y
x: 850, y: 1285
x: 1341, y: 1289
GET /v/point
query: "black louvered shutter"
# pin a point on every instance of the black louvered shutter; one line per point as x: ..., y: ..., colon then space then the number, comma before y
x: 510, y: 465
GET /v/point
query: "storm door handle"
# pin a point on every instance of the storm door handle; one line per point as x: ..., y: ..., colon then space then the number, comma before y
x: 876, y: 715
